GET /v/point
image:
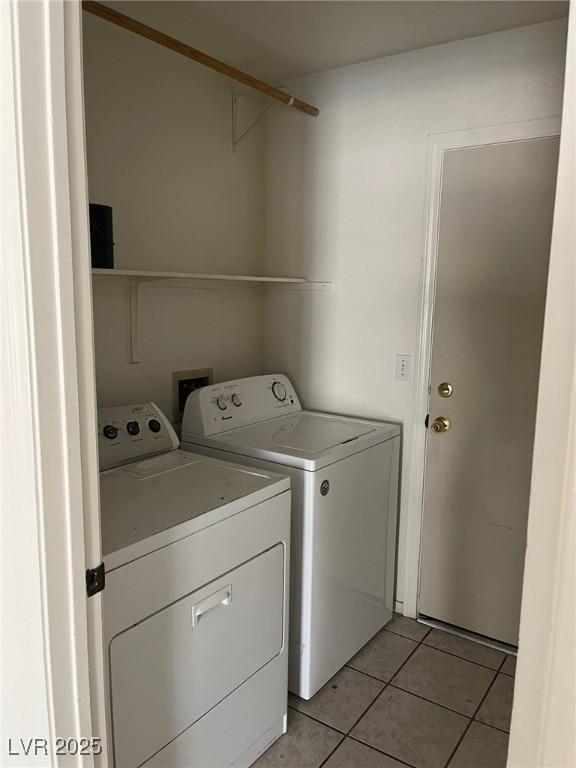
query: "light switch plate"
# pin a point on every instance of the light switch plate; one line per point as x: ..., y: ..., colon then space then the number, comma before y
x: 403, y: 367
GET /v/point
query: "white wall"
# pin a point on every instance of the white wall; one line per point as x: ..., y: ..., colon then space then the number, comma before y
x: 345, y: 199
x: 160, y: 153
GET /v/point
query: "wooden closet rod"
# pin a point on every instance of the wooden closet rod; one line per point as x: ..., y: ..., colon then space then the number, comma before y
x: 104, y: 12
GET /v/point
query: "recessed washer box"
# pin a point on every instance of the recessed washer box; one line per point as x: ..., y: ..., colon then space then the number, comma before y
x: 185, y: 382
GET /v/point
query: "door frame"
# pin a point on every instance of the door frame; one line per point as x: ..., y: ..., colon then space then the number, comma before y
x: 85, y: 354
x: 48, y: 326
x: 438, y: 145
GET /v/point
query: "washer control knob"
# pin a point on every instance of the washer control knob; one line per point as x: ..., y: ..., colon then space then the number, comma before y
x: 154, y: 425
x: 110, y: 432
x: 236, y: 400
x: 221, y: 403
x: 133, y: 428
x: 279, y: 391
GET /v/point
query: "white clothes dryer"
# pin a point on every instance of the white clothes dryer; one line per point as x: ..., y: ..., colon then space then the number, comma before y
x: 196, y: 553
x: 344, y: 476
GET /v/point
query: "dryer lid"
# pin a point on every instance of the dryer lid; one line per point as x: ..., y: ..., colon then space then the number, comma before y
x: 144, y: 498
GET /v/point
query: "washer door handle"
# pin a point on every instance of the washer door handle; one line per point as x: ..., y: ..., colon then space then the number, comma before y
x: 219, y: 599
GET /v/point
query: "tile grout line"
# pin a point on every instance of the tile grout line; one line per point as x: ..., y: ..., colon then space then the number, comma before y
x: 407, y: 659
x: 320, y: 722
x: 406, y: 637
x: 342, y: 734
x: 329, y: 755
x: 377, y: 749
x: 457, y: 656
x: 316, y: 720
x: 373, y: 702
x: 430, y: 701
x: 372, y: 677
x: 365, y: 710
x: 494, y: 727
x: 412, y: 652
x: 473, y: 718
x: 388, y: 683
x: 396, y: 687
x: 347, y: 733
x: 496, y: 672
x: 440, y: 650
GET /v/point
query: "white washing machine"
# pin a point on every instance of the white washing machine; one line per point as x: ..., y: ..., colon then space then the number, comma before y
x: 344, y: 509
x: 196, y: 553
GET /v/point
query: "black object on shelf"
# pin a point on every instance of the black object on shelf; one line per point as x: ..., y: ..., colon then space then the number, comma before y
x: 101, y: 236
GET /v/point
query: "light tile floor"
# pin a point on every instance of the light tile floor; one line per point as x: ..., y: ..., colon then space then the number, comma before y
x: 411, y: 697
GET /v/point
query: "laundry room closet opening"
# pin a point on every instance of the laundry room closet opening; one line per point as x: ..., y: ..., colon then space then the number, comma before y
x: 205, y: 177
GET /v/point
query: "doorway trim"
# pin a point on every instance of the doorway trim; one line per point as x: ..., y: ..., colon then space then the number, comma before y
x: 438, y: 145
x: 50, y: 397
x: 73, y: 87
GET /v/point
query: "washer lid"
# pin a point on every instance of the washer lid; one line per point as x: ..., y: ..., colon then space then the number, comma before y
x: 307, y: 439
x: 302, y: 433
x: 144, y: 498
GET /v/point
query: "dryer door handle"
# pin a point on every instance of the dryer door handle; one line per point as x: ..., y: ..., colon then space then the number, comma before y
x: 221, y: 598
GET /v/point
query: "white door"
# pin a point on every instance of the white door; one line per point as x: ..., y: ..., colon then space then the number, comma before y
x: 494, y: 239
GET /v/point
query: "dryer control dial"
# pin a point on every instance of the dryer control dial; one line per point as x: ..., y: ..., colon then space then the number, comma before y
x: 110, y: 431
x: 133, y: 428
x: 221, y: 403
x: 154, y: 426
x: 236, y: 400
x: 279, y: 391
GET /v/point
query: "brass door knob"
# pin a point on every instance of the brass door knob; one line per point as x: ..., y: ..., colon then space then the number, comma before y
x: 440, y: 424
x: 445, y: 389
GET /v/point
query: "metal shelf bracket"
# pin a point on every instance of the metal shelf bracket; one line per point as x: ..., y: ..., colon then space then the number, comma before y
x: 134, y: 305
x: 134, y: 297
